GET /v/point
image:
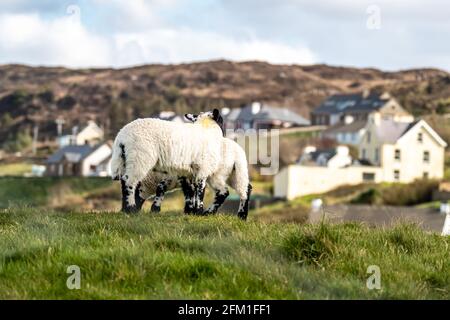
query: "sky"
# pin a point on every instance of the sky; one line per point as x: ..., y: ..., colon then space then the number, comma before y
x: 385, y: 34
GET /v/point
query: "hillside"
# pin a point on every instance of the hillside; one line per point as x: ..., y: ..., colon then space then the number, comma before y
x: 171, y: 256
x: 38, y: 95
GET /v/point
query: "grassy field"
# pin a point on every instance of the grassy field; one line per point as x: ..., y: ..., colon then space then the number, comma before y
x: 47, y: 191
x: 175, y: 256
x: 15, y: 169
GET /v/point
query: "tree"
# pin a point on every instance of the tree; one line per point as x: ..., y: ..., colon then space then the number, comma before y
x: 6, y: 120
x: 18, y: 142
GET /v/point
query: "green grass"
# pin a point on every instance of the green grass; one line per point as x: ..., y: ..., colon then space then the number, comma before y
x: 15, y: 169
x: 40, y: 191
x: 172, y: 256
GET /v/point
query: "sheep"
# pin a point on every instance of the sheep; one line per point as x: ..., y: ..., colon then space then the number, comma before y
x: 176, y: 149
x: 232, y: 171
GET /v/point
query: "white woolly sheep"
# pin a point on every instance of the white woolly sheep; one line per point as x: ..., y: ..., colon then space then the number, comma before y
x: 176, y: 149
x: 232, y: 170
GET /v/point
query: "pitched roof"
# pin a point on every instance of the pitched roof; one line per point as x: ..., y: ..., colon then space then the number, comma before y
x: 355, y: 126
x: 72, y: 153
x: 390, y: 131
x: 266, y: 112
x: 351, y: 103
x: 327, y: 154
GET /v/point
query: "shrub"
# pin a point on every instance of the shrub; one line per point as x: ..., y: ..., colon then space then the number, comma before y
x: 314, y: 246
x: 419, y: 191
x: 414, y: 193
x: 371, y: 196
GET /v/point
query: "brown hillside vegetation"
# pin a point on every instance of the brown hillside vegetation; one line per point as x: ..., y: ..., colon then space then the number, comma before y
x: 112, y: 97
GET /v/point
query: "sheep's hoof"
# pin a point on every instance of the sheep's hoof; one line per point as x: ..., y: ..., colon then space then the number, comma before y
x: 209, y: 212
x: 155, y: 209
x: 242, y: 215
x: 199, y: 212
x: 188, y: 210
x: 130, y: 210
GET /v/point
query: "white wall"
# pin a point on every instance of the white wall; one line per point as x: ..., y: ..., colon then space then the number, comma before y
x: 297, y: 180
x: 94, y: 159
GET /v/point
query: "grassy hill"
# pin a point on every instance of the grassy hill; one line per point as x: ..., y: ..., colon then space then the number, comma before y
x: 113, y: 97
x: 175, y: 256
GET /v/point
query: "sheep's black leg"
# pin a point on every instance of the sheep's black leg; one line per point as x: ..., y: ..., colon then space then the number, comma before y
x: 243, y: 205
x: 124, y: 195
x: 159, y: 197
x: 137, y: 197
x: 219, y: 199
x: 128, y: 197
x: 199, y: 195
x: 188, y: 191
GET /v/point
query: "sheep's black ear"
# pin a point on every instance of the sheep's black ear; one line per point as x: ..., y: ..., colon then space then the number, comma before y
x: 191, y: 117
x: 216, y: 114
x: 218, y: 118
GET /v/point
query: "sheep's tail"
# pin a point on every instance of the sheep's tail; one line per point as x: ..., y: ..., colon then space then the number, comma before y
x: 241, y: 178
x: 118, y: 160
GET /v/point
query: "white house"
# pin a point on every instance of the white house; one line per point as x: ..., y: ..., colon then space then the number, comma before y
x: 90, y: 134
x: 349, y: 132
x: 259, y: 115
x: 359, y: 106
x: 338, y: 157
x: 405, y: 151
x: 389, y: 151
x: 80, y: 160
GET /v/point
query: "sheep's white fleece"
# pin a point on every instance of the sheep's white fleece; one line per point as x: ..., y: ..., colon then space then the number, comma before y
x: 232, y: 170
x: 178, y: 149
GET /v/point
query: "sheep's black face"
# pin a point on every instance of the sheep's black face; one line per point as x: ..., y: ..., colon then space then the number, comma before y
x: 214, y: 115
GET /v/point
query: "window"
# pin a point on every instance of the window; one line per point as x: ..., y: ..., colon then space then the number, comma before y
x: 377, y: 155
x: 426, y: 156
x: 348, y: 137
x: 369, y: 137
x: 368, y: 177
x: 363, y: 154
x: 397, y: 155
x: 396, y: 175
x: 426, y: 175
x: 420, y: 137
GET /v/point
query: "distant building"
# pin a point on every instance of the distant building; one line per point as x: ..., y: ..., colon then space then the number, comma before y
x: 405, y: 151
x: 346, y: 132
x: 262, y: 116
x: 358, y: 107
x: 90, y: 134
x: 169, y: 116
x: 80, y: 160
x: 389, y: 151
x: 338, y: 157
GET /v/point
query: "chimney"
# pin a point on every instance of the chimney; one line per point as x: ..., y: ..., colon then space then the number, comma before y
x: 348, y: 119
x: 256, y: 107
x: 385, y: 96
x: 225, y: 111
x: 342, y: 150
x: 366, y: 93
x: 309, y: 149
x: 375, y: 118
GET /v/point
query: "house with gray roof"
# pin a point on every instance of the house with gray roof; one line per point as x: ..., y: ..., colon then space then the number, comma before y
x: 404, y: 151
x: 262, y: 116
x: 357, y: 107
x: 80, y: 160
x: 346, y: 133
